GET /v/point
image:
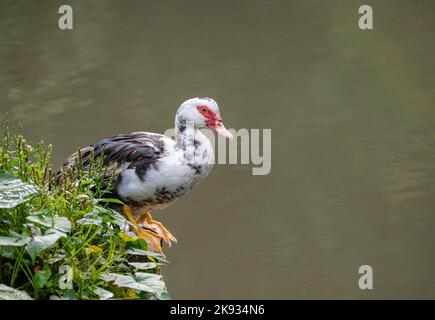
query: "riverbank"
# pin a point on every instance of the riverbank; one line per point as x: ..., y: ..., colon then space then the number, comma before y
x: 60, y: 240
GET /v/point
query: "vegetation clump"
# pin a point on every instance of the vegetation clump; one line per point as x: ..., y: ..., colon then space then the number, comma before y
x: 59, y: 239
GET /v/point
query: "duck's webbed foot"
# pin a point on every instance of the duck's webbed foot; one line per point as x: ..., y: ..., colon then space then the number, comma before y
x: 149, y: 223
x: 152, y: 238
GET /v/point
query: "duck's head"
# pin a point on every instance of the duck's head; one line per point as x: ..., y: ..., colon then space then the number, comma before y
x: 202, y: 113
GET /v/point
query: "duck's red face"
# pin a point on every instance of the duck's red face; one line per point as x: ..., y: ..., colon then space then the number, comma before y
x: 214, y: 121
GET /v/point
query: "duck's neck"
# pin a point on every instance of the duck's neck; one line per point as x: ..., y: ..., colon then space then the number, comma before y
x: 191, y: 142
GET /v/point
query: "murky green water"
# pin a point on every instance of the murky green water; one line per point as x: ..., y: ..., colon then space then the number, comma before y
x: 352, y: 116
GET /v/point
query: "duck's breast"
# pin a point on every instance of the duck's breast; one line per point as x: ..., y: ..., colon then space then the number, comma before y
x: 167, y: 180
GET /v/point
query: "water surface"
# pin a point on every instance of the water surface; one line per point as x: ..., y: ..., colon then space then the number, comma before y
x: 352, y: 116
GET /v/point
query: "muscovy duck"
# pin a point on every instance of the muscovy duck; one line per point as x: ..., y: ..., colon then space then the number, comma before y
x: 150, y: 171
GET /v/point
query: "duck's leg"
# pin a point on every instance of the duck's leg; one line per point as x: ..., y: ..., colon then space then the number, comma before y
x: 152, y: 238
x: 149, y: 222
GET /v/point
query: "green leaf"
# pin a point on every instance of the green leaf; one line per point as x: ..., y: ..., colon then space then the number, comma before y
x: 68, y: 294
x: 119, y: 219
x: 8, y: 293
x: 15, y: 240
x: 110, y: 215
x: 59, y: 223
x: 41, y: 278
x: 139, y: 252
x: 40, y: 243
x: 144, y: 282
x: 103, y: 294
x: 126, y: 238
x: 14, y: 191
x: 54, y: 297
x: 138, y: 244
x: 144, y: 265
x: 93, y: 249
x: 165, y: 295
x: 55, y: 257
x: 8, y: 252
x: 110, y: 200
x: 91, y: 218
x: 126, y: 281
x: 154, y: 281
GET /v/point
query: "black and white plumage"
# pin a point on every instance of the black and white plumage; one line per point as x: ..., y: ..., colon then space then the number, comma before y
x: 150, y: 171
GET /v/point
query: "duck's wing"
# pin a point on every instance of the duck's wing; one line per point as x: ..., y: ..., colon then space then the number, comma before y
x: 137, y: 150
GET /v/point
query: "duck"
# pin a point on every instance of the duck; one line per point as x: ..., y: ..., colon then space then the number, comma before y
x: 150, y: 171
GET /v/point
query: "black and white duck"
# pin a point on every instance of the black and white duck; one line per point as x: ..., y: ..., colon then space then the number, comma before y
x: 151, y: 171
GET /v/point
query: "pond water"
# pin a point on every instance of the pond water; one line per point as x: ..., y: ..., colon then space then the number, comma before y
x: 352, y: 116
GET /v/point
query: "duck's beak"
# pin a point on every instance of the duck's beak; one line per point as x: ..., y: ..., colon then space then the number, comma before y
x: 220, y: 129
x: 223, y: 131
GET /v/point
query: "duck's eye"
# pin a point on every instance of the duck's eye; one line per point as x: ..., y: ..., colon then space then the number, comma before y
x: 203, y: 110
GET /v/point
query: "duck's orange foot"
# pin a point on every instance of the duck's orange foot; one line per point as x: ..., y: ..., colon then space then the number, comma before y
x: 149, y: 223
x: 152, y: 238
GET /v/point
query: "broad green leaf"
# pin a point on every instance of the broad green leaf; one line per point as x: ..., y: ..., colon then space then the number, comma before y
x: 141, y: 281
x: 91, y: 218
x: 41, y: 278
x: 59, y: 223
x: 154, y: 281
x: 139, y: 252
x: 8, y: 293
x: 144, y: 265
x: 56, y: 257
x: 138, y: 243
x: 126, y: 281
x: 103, y: 294
x: 8, y: 252
x: 54, y: 297
x: 62, y: 224
x: 68, y: 294
x: 40, y: 243
x: 165, y: 295
x: 14, y: 240
x: 14, y: 191
x: 119, y: 219
x: 110, y: 215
